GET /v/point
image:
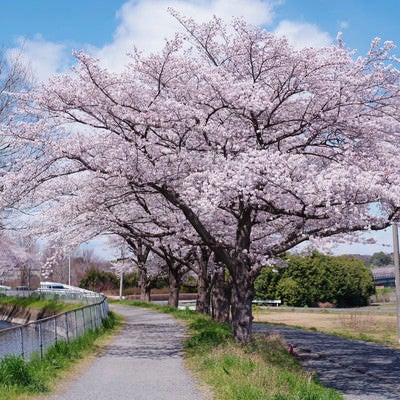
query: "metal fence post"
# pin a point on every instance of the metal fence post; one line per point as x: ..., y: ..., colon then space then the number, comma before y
x: 91, y: 316
x: 83, y: 319
x: 66, y: 327
x: 76, y: 325
x: 95, y: 317
x: 40, y: 340
x: 55, y: 329
x: 21, y: 333
x: 104, y: 308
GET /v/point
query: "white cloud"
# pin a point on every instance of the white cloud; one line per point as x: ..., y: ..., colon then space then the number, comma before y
x: 145, y: 24
x: 43, y: 57
x: 303, y: 35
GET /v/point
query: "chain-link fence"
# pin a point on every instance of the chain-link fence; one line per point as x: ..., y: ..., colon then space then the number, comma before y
x: 39, y: 335
x: 77, y: 296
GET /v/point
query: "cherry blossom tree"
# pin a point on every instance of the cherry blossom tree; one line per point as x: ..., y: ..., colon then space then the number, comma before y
x: 18, y: 262
x: 256, y: 146
x: 14, y: 78
x: 149, y: 266
x: 136, y: 257
x: 143, y: 227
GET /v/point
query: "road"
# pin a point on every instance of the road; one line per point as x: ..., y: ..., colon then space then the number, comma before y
x: 359, y: 370
x: 144, y: 362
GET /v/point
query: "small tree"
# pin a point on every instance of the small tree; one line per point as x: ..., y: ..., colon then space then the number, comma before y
x: 355, y: 283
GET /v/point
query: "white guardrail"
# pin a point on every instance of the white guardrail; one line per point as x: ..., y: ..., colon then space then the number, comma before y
x: 275, y: 303
x: 39, y: 335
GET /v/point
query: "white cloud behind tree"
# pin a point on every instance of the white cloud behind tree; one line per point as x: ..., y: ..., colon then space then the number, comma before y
x: 42, y: 57
x: 145, y: 24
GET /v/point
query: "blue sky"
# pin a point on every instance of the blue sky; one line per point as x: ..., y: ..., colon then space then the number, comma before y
x: 49, y: 30
x: 46, y: 31
x: 359, y: 20
x: 80, y: 22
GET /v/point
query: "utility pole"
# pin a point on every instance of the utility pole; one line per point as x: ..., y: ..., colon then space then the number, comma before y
x: 121, y: 284
x: 397, y: 273
x: 69, y: 270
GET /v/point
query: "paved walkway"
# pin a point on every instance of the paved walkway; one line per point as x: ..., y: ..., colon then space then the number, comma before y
x: 144, y: 362
x: 360, y: 371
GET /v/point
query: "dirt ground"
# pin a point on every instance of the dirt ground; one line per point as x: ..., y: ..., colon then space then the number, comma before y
x: 372, y: 325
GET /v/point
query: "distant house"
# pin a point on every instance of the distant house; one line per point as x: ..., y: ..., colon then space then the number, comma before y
x: 384, y: 276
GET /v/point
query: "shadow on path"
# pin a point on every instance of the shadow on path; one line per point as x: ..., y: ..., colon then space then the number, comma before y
x: 358, y: 370
x: 149, y: 341
x: 143, y: 362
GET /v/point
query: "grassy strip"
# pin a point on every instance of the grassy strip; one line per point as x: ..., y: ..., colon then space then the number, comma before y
x: 263, y: 370
x: 51, y: 306
x: 20, y: 379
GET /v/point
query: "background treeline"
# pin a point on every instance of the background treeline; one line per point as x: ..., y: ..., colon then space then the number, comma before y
x: 378, y: 259
x: 108, y: 282
x: 343, y: 281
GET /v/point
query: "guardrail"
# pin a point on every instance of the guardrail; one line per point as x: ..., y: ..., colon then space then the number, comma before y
x: 39, y: 335
x: 276, y: 303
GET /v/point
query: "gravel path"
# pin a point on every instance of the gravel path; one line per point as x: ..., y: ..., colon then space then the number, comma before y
x: 360, y: 371
x: 144, y: 362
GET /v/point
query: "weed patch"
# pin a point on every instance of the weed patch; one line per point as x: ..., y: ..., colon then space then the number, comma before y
x: 262, y: 370
x: 34, y: 375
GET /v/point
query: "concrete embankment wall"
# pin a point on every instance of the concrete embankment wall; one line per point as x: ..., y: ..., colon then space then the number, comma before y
x: 17, y: 314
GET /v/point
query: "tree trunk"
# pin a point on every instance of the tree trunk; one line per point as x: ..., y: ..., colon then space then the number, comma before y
x: 241, y: 307
x: 204, y: 286
x: 203, y: 295
x: 145, y: 293
x: 221, y: 294
x: 174, y: 287
x: 142, y: 252
x: 145, y: 287
x: 238, y: 264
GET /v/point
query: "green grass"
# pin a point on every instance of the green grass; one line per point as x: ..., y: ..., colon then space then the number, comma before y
x: 48, y: 306
x: 21, y: 379
x: 262, y: 370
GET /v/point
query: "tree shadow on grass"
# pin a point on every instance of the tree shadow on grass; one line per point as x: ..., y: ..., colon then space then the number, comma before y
x: 352, y: 367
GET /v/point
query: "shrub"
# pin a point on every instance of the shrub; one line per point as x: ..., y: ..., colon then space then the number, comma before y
x: 316, y: 278
x: 99, y: 281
